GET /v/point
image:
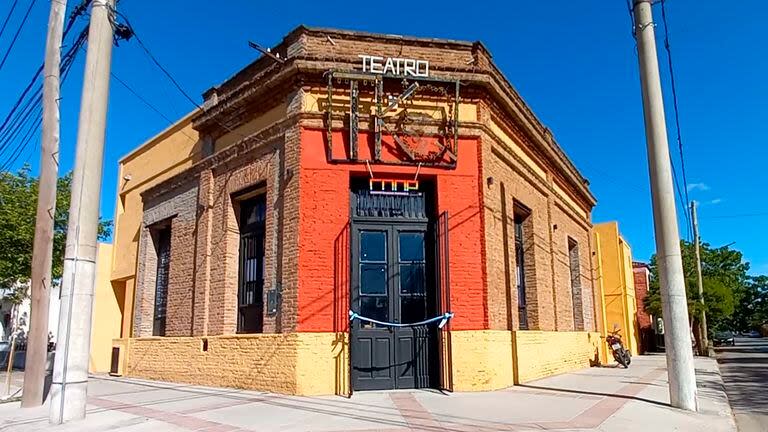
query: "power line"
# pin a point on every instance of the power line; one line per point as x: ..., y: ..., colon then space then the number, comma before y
x: 147, y: 103
x: 681, y: 196
x: 8, y: 18
x: 674, y: 102
x: 126, y: 31
x: 16, y: 35
x: 737, y: 216
x: 20, y: 112
x: 24, y: 118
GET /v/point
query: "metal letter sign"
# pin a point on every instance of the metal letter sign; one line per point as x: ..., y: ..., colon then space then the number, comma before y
x: 395, y: 66
x: 393, y: 186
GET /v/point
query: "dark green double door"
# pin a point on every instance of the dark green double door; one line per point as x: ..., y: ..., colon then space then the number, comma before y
x: 392, y: 281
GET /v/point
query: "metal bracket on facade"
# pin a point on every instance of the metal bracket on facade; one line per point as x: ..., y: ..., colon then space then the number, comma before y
x: 448, y: 143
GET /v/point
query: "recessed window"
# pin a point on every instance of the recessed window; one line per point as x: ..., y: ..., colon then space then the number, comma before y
x: 162, y: 239
x: 578, y: 308
x: 521, y: 214
x: 250, y: 294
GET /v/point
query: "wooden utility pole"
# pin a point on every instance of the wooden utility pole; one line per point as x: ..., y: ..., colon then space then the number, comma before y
x: 70, y: 371
x: 703, y: 338
x: 42, y: 249
x: 677, y: 336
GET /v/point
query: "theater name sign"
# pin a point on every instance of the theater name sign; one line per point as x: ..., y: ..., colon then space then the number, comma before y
x: 395, y: 66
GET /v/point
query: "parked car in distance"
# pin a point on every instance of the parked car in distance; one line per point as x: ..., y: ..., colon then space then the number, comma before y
x: 723, y: 338
x: 754, y: 334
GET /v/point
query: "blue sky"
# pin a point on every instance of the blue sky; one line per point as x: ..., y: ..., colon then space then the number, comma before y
x: 573, y: 62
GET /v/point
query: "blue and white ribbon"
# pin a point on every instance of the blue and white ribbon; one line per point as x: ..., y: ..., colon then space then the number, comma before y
x: 442, y: 318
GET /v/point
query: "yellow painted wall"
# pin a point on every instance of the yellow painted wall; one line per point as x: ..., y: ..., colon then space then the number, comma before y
x: 289, y: 363
x: 167, y: 154
x: 599, y: 295
x: 617, y: 283
x: 318, y: 363
x: 256, y: 124
x: 541, y: 354
x: 106, y: 322
x: 481, y: 360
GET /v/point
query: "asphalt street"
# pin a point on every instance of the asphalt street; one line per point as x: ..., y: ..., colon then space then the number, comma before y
x: 744, y: 369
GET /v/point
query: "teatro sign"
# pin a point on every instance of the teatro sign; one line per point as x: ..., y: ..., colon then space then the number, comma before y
x: 395, y: 66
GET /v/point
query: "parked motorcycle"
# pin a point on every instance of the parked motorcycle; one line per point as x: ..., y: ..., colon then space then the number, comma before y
x: 620, y: 353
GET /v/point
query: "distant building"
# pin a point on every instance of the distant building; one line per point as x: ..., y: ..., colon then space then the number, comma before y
x: 645, y: 321
x: 355, y: 175
x: 106, y: 316
x: 615, y: 281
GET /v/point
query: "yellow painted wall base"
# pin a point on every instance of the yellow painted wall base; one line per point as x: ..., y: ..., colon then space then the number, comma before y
x: 541, y: 354
x: 317, y: 363
x: 481, y: 360
x: 106, y: 313
x: 293, y: 363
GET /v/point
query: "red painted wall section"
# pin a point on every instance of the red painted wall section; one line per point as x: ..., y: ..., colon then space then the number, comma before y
x: 324, y: 232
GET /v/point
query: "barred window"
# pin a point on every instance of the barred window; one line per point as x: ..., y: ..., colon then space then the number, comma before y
x: 162, y: 240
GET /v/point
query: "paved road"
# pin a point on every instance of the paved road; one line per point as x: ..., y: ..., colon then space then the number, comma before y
x: 745, y: 372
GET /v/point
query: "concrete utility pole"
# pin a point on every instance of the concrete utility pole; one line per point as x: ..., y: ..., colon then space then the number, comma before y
x: 703, y: 338
x: 42, y: 250
x: 677, y: 337
x: 70, y: 372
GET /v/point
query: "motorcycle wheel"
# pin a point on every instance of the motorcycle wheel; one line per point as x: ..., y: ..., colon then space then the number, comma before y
x: 621, y: 357
x: 627, y: 359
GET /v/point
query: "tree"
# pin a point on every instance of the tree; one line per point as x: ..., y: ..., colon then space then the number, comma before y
x: 724, y: 279
x: 18, y: 207
x: 752, y: 311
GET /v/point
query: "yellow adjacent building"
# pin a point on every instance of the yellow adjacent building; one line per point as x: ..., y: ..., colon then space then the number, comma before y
x: 615, y: 283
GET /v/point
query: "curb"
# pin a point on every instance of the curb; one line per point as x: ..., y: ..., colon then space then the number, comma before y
x: 721, y: 394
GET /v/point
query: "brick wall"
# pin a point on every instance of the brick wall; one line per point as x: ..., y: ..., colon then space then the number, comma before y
x: 324, y: 200
x: 552, y: 221
x: 180, y: 206
x: 542, y: 354
x: 294, y: 363
x: 482, y: 360
x: 646, y: 334
x: 641, y: 275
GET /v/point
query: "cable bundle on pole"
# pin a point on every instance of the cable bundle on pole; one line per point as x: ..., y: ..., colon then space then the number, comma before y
x: 22, y: 122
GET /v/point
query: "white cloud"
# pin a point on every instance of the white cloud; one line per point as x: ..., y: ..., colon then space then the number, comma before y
x: 698, y: 187
x: 715, y: 201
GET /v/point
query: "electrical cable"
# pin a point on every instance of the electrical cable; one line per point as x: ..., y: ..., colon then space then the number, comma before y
x: 682, y: 196
x: 147, y: 103
x: 126, y: 31
x: 129, y: 31
x: 737, y: 216
x: 16, y: 35
x: 8, y: 18
x: 675, y: 103
x: 14, y: 120
x: 24, y: 118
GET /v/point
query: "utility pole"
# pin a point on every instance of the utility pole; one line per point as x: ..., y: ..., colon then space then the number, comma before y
x: 70, y: 371
x: 677, y: 335
x: 42, y: 249
x: 703, y: 339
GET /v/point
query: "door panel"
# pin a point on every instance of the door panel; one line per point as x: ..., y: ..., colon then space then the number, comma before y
x: 390, y: 282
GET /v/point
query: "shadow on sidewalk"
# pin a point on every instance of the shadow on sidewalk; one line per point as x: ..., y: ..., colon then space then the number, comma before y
x: 590, y: 393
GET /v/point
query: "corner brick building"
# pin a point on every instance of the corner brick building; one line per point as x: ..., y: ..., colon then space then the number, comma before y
x: 398, y: 178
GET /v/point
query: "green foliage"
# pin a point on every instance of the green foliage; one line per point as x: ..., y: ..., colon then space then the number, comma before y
x: 18, y: 208
x: 752, y: 311
x: 724, y: 279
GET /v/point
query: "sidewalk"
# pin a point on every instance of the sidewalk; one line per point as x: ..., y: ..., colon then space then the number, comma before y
x: 595, y: 399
